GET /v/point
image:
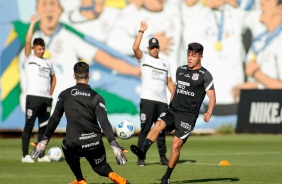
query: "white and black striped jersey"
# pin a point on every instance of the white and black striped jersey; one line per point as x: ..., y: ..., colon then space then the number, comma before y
x: 154, y: 74
x: 191, y: 87
x: 38, y: 76
x: 83, y: 108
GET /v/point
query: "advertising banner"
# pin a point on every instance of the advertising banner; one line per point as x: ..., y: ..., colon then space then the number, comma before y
x: 260, y: 111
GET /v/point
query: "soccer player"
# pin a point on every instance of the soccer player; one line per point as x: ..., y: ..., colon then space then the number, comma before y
x: 155, y: 73
x: 41, y: 83
x: 193, y: 83
x: 83, y: 108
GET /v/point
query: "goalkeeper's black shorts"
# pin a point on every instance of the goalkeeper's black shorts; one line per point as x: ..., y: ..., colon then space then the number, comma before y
x: 95, y: 156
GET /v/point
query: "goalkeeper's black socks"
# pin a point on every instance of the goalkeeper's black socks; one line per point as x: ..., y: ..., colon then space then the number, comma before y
x: 146, y: 145
x: 168, y: 173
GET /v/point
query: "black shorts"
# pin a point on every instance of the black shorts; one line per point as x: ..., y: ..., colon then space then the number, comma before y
x: 150, y: 111
x: 95, y: 156
x: 183, y: 123
x: 40, y: 107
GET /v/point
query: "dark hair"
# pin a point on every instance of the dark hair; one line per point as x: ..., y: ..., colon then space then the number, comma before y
x: 39, y: 41
x: 196, y: 48
x: 279, y: 2
x: 81, y: 70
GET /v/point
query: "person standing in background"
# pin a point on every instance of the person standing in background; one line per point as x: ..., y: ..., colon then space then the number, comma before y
x: 41, y: 83
x: 155, y: 76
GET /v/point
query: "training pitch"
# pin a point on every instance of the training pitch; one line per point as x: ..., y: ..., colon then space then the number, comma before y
x: 254, y: 159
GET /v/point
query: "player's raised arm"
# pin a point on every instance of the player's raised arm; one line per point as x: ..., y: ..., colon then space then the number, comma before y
x: 27, y: 46
x: 136, y: 45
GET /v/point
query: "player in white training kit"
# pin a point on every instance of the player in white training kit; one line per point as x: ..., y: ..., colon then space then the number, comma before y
x: 40, y: 85
x: 155, y: 73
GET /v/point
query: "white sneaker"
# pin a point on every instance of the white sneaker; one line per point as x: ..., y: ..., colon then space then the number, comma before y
x: 44, y: 159
x: 27, y: 159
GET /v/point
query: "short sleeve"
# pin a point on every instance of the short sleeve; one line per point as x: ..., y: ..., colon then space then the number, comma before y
x: 208, y: 84
x: 168, y: 69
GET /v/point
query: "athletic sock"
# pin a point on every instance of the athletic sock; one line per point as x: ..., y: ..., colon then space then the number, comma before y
x: 146, y: 145
x: 168, y: 173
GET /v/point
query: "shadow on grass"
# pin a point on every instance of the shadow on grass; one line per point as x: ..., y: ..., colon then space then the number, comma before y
x: 207, y: 180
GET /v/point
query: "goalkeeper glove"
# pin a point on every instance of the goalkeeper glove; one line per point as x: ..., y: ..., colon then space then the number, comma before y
x: 40, y: 147
x: 118, y: 152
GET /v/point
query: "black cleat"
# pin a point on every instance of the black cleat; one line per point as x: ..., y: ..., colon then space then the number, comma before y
x: 165, y: 181
x: 164, y: 161
x: 138, y: 151
x: 141, y: 162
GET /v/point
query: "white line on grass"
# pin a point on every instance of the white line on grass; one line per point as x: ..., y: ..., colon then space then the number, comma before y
x: 239, y: 153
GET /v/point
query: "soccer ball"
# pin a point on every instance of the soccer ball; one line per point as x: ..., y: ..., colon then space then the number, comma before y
x: 55, y: 154
x: 125, y: 129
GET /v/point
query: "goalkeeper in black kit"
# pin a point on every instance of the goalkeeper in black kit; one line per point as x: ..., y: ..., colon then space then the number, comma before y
x: 83, y: 108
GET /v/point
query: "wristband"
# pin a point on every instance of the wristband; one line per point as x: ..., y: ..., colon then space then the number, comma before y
x: 140, y: 31
x: 254, y: 72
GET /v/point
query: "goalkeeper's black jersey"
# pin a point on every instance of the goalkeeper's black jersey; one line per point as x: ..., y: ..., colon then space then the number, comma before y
x: 191, y: 87
x: 82, y: 107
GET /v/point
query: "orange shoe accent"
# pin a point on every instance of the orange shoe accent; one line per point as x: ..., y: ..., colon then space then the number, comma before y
x: 79, y: 182
x: 117, y: 179
x: 224, y: 163
x: 33, y: 144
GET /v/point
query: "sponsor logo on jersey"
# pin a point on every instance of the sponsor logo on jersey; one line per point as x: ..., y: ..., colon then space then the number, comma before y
x: 183, y: 67
x: 187, y: 75
x: 181, y: 73
x: 158, y: 75
x: 87, y: 136
x: 185, y: 92
x: 48, y: 109
x: 185, y: 126
x: 76, y: 92
x: 183, y: 83
x: 195, y: 76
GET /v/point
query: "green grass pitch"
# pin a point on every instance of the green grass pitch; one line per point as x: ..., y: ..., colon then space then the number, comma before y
x: 254, y: 159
